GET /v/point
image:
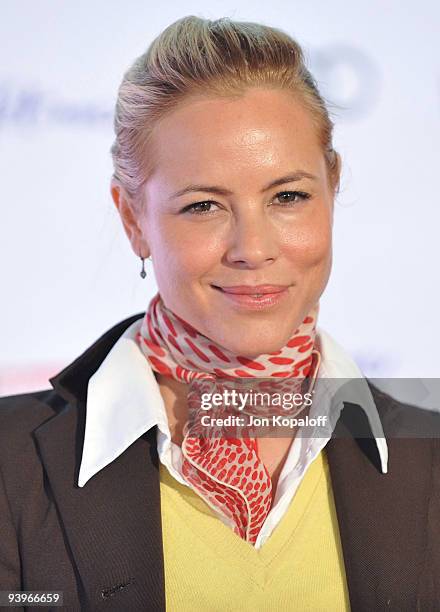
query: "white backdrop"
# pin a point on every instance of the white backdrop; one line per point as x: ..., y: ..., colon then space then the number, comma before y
x: 68, y: 273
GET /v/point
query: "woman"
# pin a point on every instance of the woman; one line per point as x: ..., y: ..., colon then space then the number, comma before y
x: 225, y: 176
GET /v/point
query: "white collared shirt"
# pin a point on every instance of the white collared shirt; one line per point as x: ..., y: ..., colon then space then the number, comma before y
x: 124, y: 401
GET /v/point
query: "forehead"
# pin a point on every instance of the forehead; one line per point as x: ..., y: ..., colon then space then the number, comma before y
x: 260, y: 130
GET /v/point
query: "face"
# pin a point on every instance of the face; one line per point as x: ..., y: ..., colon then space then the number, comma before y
x: 240, y: 195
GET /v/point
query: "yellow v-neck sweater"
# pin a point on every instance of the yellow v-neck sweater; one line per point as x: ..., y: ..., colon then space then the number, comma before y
x: 209, y: 568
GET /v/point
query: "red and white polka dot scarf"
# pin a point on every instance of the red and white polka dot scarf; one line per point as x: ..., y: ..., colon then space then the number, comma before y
x: 226, y: 471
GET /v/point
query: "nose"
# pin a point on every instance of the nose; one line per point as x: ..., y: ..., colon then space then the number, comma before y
x: 254, y: 241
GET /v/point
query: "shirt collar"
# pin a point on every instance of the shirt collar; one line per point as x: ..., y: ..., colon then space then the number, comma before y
x: 124, y: 400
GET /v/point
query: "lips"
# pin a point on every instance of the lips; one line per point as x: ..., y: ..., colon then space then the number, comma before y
x: 253, y: 297
x: 252, y: 289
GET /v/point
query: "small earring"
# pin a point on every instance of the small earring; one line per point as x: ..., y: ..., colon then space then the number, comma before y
x: 142, y: 272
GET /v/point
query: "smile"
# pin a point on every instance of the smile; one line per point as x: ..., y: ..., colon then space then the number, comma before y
x: 253, y: 301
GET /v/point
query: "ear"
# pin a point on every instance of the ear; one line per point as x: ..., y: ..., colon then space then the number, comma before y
x: 338, y: 171
x: 129, y: 218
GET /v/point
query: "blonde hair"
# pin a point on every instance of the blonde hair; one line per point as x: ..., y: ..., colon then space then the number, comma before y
x: 201, y: 56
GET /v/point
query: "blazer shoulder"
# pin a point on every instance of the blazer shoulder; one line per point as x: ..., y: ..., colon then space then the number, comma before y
x: 21, y: 414
x: 402, y: 419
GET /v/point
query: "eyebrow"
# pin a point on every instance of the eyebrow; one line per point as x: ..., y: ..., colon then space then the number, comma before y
x: 289, y: 178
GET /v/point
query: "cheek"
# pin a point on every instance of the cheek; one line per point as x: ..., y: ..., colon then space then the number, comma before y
x: 310, y: 245
x: 182, y: 254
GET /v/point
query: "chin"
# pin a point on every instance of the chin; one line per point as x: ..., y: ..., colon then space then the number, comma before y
x: 262, y: 350
x: 249, y: 340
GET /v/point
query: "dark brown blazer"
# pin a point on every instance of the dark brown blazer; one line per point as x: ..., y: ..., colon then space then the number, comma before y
x: 102, y: 544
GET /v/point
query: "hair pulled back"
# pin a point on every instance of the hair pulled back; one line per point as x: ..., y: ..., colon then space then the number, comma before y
x: 199, y: 56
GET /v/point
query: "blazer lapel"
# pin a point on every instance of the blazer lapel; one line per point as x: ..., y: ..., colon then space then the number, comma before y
x: 380, y: 516
x: 113, y: 524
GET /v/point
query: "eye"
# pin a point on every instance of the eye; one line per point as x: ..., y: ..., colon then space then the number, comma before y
x: 290, y: 198
x: 199, y: 208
